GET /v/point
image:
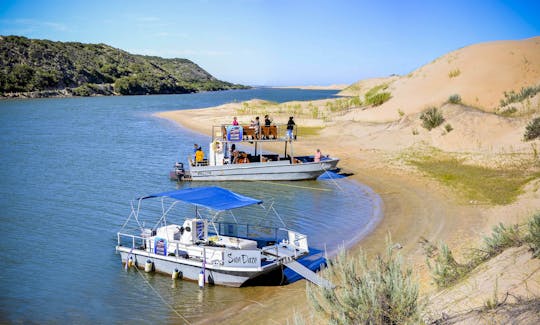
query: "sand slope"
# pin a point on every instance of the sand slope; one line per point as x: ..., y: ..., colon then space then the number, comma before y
x: 479, y: 73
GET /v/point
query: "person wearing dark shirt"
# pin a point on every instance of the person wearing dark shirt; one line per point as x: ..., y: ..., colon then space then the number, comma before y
x: 290, y: 128
x: 267, y: 120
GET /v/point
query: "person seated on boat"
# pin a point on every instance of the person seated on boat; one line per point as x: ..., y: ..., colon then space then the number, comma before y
x: 242, y: 158
x: 235, y: 121
x: 233, y: 155
x: 318, y: 156
x: 199, y: 156
x: 293, y: 160
x: 290, y: 128
x: 195, y: 148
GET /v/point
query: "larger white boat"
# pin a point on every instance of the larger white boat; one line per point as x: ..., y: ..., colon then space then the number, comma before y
x: 249, y: 161
x: 206, y: 247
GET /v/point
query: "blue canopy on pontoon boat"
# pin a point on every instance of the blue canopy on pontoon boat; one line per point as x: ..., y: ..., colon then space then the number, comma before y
x: 212, y: 197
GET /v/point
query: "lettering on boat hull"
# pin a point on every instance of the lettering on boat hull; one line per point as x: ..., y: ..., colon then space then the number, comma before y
x: 242, y: 258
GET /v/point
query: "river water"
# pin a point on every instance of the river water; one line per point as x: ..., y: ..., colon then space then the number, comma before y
x: 68, y: 169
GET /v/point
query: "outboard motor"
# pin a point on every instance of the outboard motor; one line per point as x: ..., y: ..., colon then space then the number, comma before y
x: 179, y: 171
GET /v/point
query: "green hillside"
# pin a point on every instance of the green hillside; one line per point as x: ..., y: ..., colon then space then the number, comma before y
x: 42, y: 68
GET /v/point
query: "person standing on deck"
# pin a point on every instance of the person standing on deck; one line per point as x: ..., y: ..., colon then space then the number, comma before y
x: 290, y: 128
x: 267, y: 123
x: 267, y: 120
x: 318, y: 156
x: 234, y: 122
x: 257, y: 126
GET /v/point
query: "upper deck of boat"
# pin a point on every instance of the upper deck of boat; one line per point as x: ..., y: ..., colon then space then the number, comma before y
x: 239, y: 133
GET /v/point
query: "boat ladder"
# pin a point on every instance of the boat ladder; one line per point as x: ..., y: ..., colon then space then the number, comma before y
x: 307, y: 273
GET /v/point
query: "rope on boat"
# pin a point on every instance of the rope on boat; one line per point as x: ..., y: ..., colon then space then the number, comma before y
x: 332, y: 178
x: 130, y: 255
x: 160, y: 297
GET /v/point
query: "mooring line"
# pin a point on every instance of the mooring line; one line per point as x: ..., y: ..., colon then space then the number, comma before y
x: 160, y: 297
x: 326, y: 171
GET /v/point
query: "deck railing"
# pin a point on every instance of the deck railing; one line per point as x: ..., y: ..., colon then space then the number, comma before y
x: 262, y: 234
x: 137, y: 242
x: 254, y: 232
x: 274, y: 132
x: 267, y: 238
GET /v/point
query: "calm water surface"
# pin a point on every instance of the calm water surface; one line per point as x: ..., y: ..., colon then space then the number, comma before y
x: 69, y: 168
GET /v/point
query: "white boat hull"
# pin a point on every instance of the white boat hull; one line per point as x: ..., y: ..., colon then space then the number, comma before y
x: 263, y: 171
x: 189, y: 269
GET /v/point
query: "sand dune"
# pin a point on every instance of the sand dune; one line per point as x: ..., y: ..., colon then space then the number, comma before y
x: 479, y: 73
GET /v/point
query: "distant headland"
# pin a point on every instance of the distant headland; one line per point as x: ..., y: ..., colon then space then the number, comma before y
x: 44, y: 68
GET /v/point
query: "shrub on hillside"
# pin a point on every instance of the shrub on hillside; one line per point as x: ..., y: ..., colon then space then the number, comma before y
x: 381, y: 293
x: 82, y: 91
x: 375, y: 97
x: 431, y: 118
x: 379, y: 99
x: 533, y: 237
x: 502, y: 237
x: 524, y: 93
x: 446, y: 270
x: 532, y: 130
x: 507, y: 112
x: 454, y: 73
x: 454, y: 99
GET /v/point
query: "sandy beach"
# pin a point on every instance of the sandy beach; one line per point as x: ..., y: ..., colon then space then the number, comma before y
x: 416, y: 207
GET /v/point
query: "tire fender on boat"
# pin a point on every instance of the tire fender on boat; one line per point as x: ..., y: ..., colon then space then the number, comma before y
x: 201, y: 279
x: 149, y: 266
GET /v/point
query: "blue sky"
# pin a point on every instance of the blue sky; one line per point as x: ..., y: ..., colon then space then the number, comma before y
x: 279, y: 42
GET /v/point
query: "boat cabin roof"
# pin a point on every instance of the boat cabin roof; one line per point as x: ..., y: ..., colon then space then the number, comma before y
x: 211, y: 197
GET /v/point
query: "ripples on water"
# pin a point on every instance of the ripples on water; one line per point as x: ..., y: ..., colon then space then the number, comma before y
x: 69, y: 168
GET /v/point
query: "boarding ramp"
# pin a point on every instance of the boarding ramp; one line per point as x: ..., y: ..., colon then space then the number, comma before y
x: 308, y: 274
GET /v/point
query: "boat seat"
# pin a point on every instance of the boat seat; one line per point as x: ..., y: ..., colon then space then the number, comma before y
x: 234, y: 242
x: 202, y: 163
x: 269, y: 131
x: 249, y: 132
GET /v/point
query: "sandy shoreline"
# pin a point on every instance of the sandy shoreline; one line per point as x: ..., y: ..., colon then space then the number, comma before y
x: 315, y: 87
x: 370, y: 140
x: 413, y: 207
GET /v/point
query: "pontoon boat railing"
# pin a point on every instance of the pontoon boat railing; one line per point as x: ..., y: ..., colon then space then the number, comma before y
x: 211, y: 256
x: 274, y: 132
x: 253, y: 232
